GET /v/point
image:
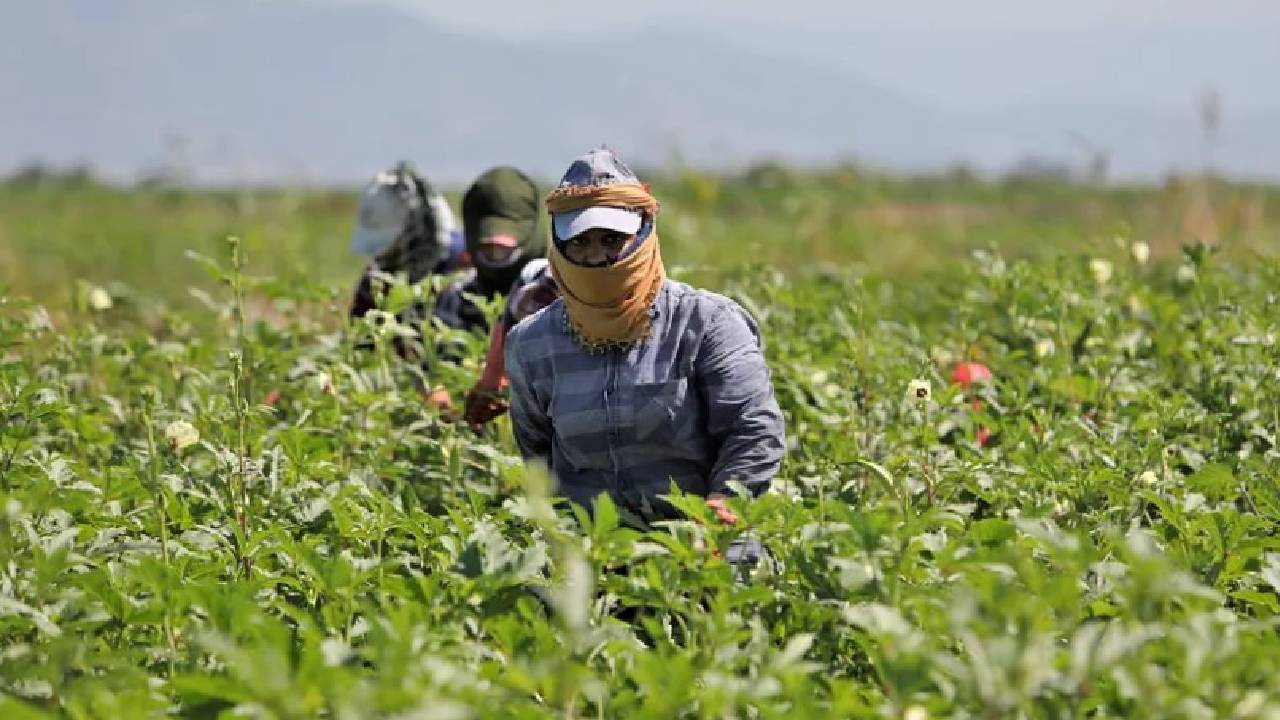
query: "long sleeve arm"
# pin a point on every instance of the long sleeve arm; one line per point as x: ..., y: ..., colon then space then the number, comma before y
x: 529, y: 418
x: 742, y: 412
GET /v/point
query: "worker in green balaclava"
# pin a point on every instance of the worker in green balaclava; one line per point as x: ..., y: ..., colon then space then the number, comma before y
x: 501, y: 222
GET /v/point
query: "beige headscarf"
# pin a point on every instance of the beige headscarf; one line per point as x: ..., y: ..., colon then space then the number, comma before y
x: 609, y: 306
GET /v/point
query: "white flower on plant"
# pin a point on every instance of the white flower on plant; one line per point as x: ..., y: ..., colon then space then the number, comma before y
x: 919, y: 390
x: 1192, y: 502
x: 1140, y: 251
x: 335, y: 651
x: 380, y: 321
x: 181, y: 434
x: 1148, y: 477
x: 1186, y: 274
x: 98, y: 299
x: 1101, y: 270
x: 1044, y: 347
x: 915, y: 712
x: 321, y: 382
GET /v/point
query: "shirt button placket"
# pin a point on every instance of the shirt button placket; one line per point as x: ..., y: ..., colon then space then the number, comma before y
x: 611, y: 416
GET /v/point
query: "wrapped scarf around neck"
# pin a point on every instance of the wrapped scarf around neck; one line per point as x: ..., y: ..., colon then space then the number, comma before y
x: 609, y: 306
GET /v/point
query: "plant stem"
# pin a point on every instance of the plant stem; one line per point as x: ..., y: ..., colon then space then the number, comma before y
x: 240, y: 397
x: 927, y: 455
x: 162, y: 518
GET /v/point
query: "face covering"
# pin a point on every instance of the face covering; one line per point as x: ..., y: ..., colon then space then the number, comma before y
x: 609, y: 306
x: 502, y: 201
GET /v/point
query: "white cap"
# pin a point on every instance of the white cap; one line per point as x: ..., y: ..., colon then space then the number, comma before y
x: 575, y: 222
x: 381, y: 218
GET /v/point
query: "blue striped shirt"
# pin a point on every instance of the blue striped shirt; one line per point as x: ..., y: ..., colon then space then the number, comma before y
x: 692, y: 404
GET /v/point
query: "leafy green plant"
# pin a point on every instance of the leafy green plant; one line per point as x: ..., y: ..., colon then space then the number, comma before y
x: 173, y: 545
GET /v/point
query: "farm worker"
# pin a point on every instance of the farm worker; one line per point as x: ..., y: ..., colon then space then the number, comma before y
x: 500, y: 215
x: 535, y: 290
x: 631, y: 381
x: 408, y: 229
x: 501, y: 237
x: 406, y: 226
x: 506, y: 243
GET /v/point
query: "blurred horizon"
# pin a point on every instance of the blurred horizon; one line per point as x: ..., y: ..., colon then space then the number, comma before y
x: 329, y: 91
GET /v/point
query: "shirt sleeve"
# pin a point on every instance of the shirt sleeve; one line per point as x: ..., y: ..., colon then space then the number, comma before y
x: 493, y: 375
x: 529, y: 418
x: 362, y: 300
x: 742, y: 412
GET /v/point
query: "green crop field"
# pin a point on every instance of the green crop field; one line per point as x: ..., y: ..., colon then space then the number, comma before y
x: 171, y: 545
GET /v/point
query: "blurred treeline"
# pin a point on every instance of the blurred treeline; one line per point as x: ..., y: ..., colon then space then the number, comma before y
x: 59, y: 232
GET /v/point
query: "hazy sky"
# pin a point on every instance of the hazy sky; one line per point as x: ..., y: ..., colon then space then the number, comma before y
x: 903, y: 83
x: 965, y: 54
x: 522, y: 17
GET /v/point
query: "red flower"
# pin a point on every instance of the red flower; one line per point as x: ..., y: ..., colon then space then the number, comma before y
x: 967, y: 373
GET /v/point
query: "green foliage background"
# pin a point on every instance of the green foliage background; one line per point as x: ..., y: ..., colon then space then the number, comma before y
x: 349, y: 553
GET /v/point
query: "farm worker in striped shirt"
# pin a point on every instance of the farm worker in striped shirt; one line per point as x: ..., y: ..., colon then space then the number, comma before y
x: 630, y: 380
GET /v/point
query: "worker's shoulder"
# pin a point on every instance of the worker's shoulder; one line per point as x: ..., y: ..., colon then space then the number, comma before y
x: 703, y: 304
x: 539, y: 325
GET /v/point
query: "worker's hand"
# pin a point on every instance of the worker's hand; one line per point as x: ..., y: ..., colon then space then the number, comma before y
x: 439, y: 399
x: 718, y: 502
x: 483, y: 405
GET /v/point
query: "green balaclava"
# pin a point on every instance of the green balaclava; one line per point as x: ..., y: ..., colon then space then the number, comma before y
x: 503, y: 202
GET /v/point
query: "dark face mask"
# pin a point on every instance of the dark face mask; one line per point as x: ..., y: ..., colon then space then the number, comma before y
x: 502, y: 201
x: 498, y: 278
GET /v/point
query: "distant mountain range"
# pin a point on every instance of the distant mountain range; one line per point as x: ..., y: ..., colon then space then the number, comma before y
x: 266, y: 90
